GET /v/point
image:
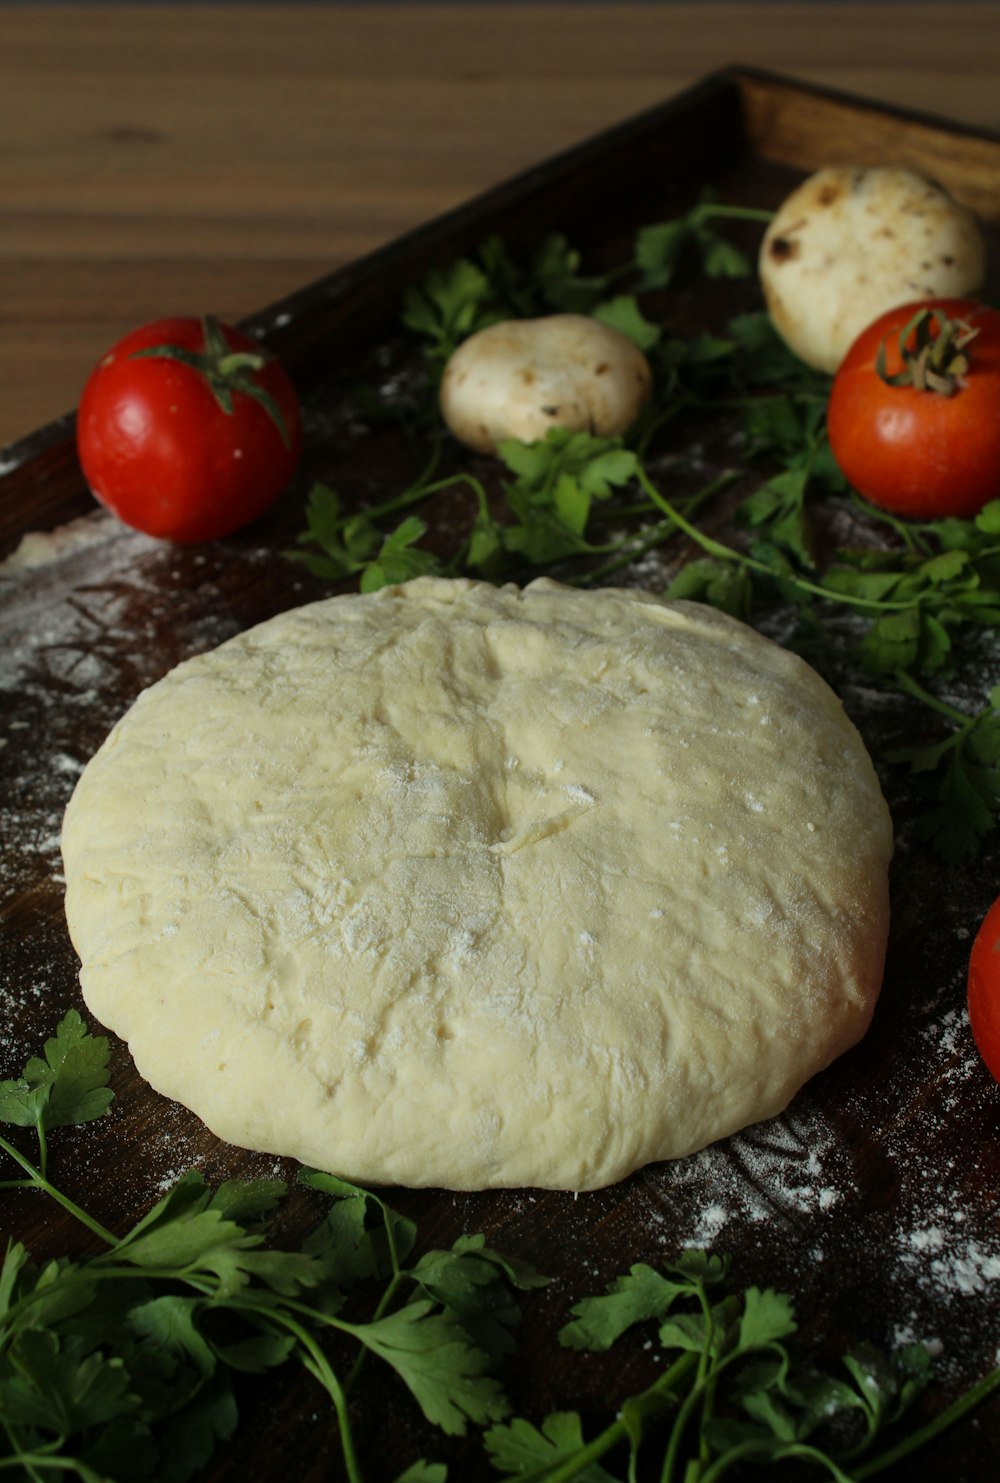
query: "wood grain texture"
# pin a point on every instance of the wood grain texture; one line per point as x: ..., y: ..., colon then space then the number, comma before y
x: 160, y: 159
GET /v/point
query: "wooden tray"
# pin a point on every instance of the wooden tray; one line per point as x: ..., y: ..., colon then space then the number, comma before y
x: 874, y: 1199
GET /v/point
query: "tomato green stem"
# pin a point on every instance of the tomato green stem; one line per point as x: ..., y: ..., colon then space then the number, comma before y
x: 240, y: 360
x: 224, y: 370
x: 936, y: 360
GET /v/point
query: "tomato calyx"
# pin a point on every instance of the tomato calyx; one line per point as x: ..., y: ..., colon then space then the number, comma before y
x: 937, y: 360
x: 225, y: 370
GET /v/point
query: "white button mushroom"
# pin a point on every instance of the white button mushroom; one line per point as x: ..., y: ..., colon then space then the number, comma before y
x: 850, y: 243
x: 520, y: 378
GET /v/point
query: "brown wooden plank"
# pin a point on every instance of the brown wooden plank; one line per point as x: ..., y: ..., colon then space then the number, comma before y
x: 164, y: 158
x: 808, y: 129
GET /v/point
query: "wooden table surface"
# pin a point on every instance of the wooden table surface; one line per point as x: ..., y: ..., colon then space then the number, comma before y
x: 160, y: 159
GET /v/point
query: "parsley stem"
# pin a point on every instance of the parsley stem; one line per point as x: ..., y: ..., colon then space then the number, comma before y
x: 683, y: 1417
x: 656, y: 537
x: 947, y: 1418
x: 729, y: 553
x: 382, y: 1307
x: 912, y: 687
x: 906, y: 530
x: 37, y: 1180
x: 648, y: 1402
x: 433, y: 458
x: 26, y: 1459
x: 706, y: 542
x: 188, y: 1275
x: 657, y: 424
x: 315, y: 1361
x: 707, y: 209
x: 31, y: 1460
x: 762, y: 1449
x: 420, y: 489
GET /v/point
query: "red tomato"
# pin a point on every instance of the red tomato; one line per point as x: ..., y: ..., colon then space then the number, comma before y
x: 191, y: 438
x: 920, y: 452
x: 984, y: 989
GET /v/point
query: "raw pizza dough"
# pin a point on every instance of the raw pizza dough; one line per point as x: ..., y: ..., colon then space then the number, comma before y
x: 471, y: 886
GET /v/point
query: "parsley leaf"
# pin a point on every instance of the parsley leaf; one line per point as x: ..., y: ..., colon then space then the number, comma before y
x: 762, y: 358
x: 557, y: 480
x: 525, y: 1450
x: 766, y: 1316
x: 379, y: 1239
x: 69, y: 1086
x: 123, y: 1363
x: 643, y: 1294
x: 451, y: 304
x: 959, y: 776
x: 756, y: 1400
x: 399, y: 558
x: 444, y: 1371
x: 188, y: 1233
x: 346, y: 543
x: 476, y: 1284
x: 660, y: 248
x: 624, y: 314
x: 724, y: 584
x: 424, y: 1472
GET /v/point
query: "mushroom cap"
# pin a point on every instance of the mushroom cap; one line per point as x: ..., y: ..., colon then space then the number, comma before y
x: 519, y: 378
x: 850, y: 243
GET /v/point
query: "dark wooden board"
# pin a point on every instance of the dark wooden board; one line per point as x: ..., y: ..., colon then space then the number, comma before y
x: 874, y: 1198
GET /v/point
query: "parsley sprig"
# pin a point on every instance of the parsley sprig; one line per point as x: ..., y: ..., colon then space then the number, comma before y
x: 733, y: 1391
x: 959, y: 775
x: 546, y: 517
x: 124, y: 1363
x: 121, y: 1364
x: 68, y: 1087
x: 474, y: 292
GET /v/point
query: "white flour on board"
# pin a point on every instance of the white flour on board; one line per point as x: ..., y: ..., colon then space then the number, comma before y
x: 90, y: 602
x: 69, y: 632
x: 38, y: 548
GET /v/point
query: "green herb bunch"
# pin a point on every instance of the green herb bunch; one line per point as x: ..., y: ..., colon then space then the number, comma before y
x: 121, y: 1364
x: 125, y: 1363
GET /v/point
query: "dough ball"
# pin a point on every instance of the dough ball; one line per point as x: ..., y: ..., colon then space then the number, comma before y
x: 520, y: 378
x: 472, y: 887
x: 849, y: 244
